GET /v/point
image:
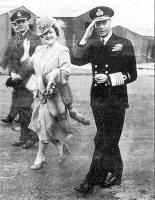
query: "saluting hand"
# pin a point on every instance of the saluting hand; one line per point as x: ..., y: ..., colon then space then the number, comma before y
x: 88, y: 33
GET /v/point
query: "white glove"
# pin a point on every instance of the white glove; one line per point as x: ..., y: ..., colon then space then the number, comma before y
x: 15, y: 76
x: 101, y: 78
x: 88, y: 33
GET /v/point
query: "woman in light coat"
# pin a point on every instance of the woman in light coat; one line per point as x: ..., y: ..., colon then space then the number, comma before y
x: 49, y: 118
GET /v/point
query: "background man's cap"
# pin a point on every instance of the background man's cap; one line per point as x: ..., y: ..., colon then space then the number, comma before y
x: 44, y: 24
x: 101, y: 13
x: 20, y: 14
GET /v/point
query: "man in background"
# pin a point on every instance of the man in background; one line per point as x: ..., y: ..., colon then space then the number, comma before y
x: 13, y: 109
x: 18, y: 77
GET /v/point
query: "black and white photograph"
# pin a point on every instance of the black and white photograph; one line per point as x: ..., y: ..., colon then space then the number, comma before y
x: 77, y: 100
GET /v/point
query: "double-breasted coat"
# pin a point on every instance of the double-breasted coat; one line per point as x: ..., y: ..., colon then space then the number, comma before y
x: 109, y: 100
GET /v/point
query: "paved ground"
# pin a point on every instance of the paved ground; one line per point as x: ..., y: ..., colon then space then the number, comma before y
x: 55, y: 181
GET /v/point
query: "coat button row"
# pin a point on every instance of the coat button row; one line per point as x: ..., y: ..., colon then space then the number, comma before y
x: 105, y: 65
x: 106, y: 72
x: 104, y: 84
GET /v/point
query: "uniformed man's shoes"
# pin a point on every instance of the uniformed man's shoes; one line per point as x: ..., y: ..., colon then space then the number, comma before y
x: 16, y: 128
x: 7, y: 120
x: 110, y: 180
x: 85, y: 188
x: 16, y: 121
x: 28, y: 144
x: 17, y: 143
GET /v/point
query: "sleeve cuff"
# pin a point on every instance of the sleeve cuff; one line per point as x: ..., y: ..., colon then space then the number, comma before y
x: 116, y: 79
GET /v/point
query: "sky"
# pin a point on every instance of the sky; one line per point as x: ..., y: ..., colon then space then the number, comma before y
x: 128, y: 13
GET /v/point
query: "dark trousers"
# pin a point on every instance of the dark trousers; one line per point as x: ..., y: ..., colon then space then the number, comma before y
x: 13, y: 111
x: 24, y: 120
x: 14, y: 107
x: 107, y: 158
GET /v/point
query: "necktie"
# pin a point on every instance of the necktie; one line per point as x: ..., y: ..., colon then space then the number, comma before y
x: 19, y: 37
x: 103, y: 41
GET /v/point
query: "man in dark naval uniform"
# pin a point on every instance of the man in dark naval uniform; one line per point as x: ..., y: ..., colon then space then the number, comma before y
x: 4, y: 63
x: 18, y: 77
x: 113, y: 66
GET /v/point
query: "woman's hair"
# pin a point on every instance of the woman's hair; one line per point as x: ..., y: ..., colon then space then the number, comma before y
x: 56, y: 29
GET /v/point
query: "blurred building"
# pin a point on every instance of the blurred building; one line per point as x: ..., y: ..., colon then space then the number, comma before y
x: 143, y: 43
x: 73, y: 24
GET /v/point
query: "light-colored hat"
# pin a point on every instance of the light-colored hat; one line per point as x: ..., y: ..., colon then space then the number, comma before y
x: 44, y: 24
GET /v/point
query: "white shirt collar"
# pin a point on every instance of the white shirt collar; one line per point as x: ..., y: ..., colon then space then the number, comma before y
x: 107, y: 37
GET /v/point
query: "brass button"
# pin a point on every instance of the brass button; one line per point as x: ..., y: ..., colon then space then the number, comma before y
x: 106, y: 65
x: 106, y: 72
x: 95, y: 66
x: 95, y: 84
x: 95, y: 72
x: 105, y: 84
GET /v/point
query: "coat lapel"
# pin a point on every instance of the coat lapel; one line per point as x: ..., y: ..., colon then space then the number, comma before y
x: 111, y: 42
x: 27, y: 34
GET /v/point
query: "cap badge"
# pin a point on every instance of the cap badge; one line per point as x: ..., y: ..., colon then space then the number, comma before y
x: 99, y: 13
x: 19, y: 14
